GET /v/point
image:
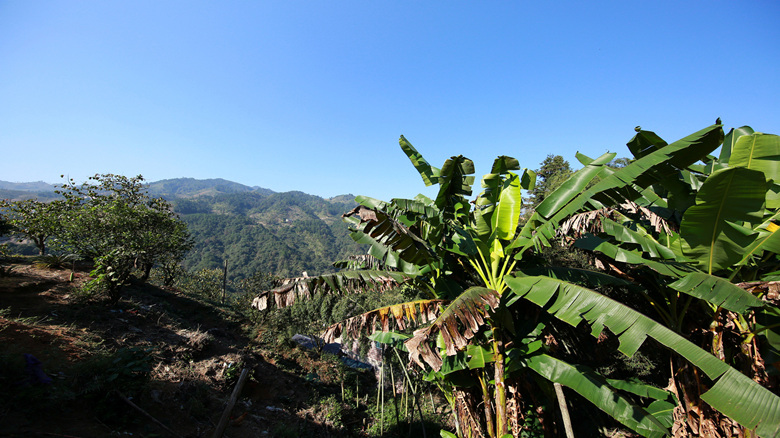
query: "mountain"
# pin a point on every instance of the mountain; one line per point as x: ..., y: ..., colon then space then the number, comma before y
x: 190, y: 187
x: 38, y: 186
x: 253, y: 228
x: 27, y: 190
x: 282, y: 234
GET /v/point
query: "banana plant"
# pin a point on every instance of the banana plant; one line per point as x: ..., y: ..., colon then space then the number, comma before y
x: 461, y: 255
x: 717, y: 226
x: 475, y: 321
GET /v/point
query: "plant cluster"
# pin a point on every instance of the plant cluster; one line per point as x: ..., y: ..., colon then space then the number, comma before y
x: 674, y: 226
x: 109, y: 221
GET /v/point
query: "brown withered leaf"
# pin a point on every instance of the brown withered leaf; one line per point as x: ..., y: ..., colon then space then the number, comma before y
x: 399, y: 316
x: 289, y: 290
x: 458, y: 323
x: 590, y: 221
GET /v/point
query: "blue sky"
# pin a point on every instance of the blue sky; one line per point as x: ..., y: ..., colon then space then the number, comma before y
x: 313, y: 95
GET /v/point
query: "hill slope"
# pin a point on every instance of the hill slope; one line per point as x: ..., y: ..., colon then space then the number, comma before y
x: 254, y: 229
x: 103, y: 370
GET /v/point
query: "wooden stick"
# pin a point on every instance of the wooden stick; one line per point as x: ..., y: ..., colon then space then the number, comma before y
x: 564, y: 410
x: 146, y: 414
x: 232, y: 402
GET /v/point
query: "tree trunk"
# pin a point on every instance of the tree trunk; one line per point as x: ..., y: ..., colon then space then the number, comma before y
x: 147, y: 269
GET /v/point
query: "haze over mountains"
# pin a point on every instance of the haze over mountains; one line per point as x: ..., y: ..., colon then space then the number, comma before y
x: 255, y: 229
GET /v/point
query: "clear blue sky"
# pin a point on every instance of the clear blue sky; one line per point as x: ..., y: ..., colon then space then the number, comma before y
x: 313, y: 95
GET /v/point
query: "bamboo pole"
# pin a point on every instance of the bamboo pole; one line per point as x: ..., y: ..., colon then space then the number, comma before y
x: 564, y: 410
x: 231, y: 403
x: 224, y: 282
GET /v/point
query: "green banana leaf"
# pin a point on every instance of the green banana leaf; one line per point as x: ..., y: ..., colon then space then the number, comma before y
x: 479, y: 356
x: 573, y: 186
x: 644, y: 143
x: 641, y: 389
x: 759, y: 409
x: 663, y: 411
x: 575, y: 275
x: 669, y: 268
x: 640, y: 236
x: 510, y: 208
x: 712, y: 229
x: 768, y: 240
x: 760, y: 151
x: 617, y: 187
x: 733, y: 394
x: 596, y: 390
x: 389, y: 240
x: 429, y: 174
x: 454, y: 185
x: 730, y: 140
x: 493, y: 184
x: 717, y: 291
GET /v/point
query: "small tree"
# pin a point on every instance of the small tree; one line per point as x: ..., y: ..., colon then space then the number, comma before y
x: 35, y: 220
x: 112, y: 221
x: 5, y: 229
x: 552, y: 173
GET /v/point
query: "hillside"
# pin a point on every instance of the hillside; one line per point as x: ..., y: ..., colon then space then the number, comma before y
x: 190, y: 187
x: 162, y: 362
x: 254, y: 229
x: 281, y: 234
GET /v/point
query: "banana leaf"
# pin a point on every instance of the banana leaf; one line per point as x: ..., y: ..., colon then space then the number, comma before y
x: 599, y: 392
x: 339, y: 282
x: 454, y: 184
x: 712, y: 229
x: 730, y: 140
x: 456, y: 324
x: 617, y: 187
x: 389, y: 240
x: 733, y: 394
x: 401, y: 316
x: 428, y: 173
x: 639, y: 237
x: 760, y: 151
x: 591, y: 242
x: 717, y: 291
x: 575, y: 275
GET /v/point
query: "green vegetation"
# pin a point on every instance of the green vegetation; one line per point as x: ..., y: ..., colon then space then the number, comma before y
x: 35, y: 220
x: 500, y: 302
x: 282, y: 233
x: 485, y: 337
x: 112, y: 222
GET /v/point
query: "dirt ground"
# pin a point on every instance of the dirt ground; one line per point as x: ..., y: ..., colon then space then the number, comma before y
x: 158, y: 363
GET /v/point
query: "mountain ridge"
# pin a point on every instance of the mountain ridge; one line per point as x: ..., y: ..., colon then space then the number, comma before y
x: 183, y: 187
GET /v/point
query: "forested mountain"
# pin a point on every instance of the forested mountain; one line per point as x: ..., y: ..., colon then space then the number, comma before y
x: 254, y: 229
x: 18, y: 191
x: 200, y: 187
x: 282, y: 234
x: 38, y: 186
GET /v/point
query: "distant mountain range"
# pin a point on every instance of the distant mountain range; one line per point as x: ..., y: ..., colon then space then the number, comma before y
x: 38, y: 186
x: 253, y: 228
x: 184, y: 187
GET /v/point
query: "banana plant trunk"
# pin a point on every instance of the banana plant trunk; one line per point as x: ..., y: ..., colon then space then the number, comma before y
x: 498, y: 352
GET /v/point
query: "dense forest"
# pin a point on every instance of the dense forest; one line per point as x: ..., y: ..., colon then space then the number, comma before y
x: 281, y: 234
